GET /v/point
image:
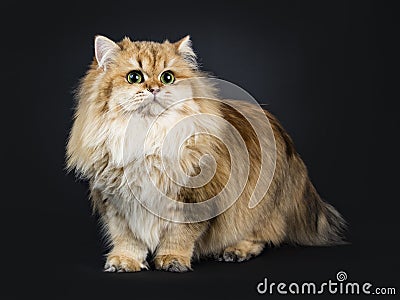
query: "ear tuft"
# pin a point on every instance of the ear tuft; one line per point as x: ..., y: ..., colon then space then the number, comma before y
x: 184, y: 47
x: 105, y: 50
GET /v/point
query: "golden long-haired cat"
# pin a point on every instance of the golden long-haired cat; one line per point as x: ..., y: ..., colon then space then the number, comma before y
x: 173, y: 168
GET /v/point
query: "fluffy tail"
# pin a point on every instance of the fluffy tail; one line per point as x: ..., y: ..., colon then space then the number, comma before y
x: 316, y: 222
x: 331, y: 226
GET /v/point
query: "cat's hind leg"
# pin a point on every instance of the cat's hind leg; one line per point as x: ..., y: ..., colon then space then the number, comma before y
x: 242, y: 251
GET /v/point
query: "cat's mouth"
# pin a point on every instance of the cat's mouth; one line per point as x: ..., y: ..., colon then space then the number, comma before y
x: 137, y: 102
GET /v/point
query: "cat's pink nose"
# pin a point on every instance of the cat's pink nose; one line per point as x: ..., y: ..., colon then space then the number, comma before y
x: 154, y: 90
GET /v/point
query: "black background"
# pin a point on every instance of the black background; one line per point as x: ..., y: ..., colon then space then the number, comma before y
x: 327, y: 69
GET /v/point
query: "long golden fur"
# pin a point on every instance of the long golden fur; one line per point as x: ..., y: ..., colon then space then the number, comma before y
x: 116, y: 143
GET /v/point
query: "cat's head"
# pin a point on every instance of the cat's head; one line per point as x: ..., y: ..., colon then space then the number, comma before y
x: 141, y: 77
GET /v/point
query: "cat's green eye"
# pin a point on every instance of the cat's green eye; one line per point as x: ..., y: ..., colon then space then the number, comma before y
x: 167, y: 77
x: 134, y: 77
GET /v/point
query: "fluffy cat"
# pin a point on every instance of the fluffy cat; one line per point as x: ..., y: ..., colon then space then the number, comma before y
x: 127, y: 142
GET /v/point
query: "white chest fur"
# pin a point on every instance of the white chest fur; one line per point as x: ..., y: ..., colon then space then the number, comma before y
x: 135, y: 147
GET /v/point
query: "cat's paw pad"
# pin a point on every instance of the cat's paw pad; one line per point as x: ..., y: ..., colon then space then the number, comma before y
x: 172, y: 263
x: 122, y: 263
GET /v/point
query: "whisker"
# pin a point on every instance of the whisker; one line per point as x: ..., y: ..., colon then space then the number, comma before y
x: 120, y: 106
x: 115, y: 110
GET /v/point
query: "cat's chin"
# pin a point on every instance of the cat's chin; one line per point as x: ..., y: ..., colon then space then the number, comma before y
x: 151, y: 109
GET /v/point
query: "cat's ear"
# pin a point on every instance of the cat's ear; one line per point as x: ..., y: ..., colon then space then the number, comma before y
x: 105, y: 50
x: 184, y: 47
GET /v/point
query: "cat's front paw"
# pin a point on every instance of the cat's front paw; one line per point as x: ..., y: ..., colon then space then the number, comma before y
x: 122, y: 263
x: 172, y: 263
